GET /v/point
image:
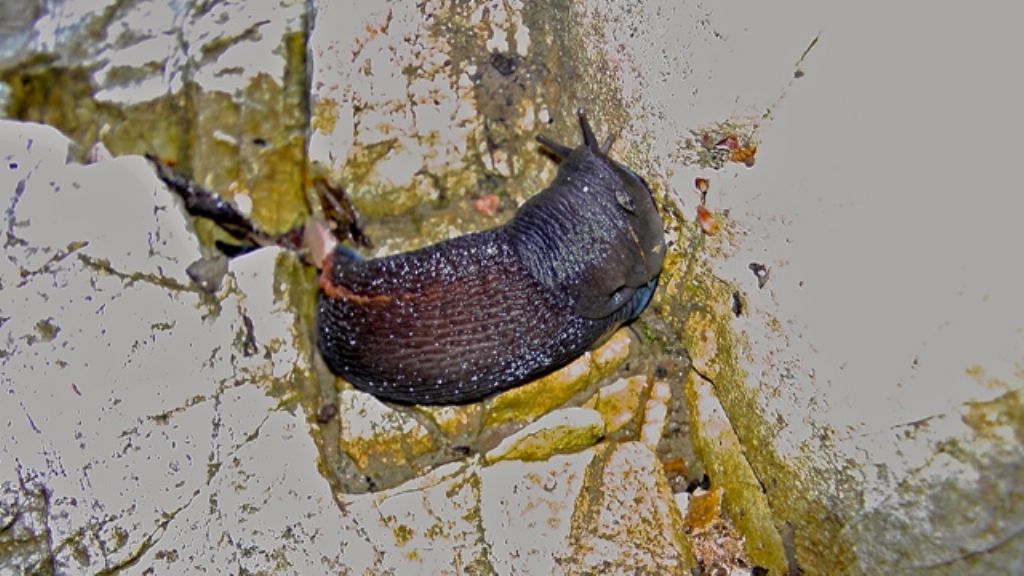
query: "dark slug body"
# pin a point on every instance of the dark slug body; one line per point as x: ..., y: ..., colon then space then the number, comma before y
x: 465, y: 318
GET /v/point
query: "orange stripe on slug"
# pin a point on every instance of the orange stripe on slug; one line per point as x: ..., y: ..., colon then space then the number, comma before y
x: 342, y: 293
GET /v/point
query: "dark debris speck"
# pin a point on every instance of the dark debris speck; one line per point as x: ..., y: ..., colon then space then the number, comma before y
x: 703, y: 483
x: 326, y: 413
x: 761, y: 271
x: 737, y: 303
x: 505, y: 64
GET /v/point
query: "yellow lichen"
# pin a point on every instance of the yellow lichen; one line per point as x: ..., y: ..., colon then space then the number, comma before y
x: 529, y: 401
x: 999, y: 419
x: 561, y: 432
x: 325, y: 115
x: 618, y: 402
x: 454, y: 421
x: 723, y: 456
x: 376, y: 436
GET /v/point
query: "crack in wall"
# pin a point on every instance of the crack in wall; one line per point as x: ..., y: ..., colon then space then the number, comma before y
x: 742, y: 444
x: 967, y: 555
x: 103, y: 265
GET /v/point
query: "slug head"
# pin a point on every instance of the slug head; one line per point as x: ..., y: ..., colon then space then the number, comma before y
x: 611, y: 220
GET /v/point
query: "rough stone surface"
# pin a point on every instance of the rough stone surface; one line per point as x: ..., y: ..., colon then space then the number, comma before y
x: 656, y: 414
x: 374, y: 435
x: 553, y: 488
x: 134, y: 400
x: 561, y: 431
x: 418, y: 104
x: 216, y: 88
x: 618, y: 402
x: 634, y: 506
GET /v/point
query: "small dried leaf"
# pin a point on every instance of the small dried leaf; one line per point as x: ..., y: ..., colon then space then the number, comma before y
x: 705, y: 509
x: 707, y: 220
x: 487, y: 204
x: 744, y: 155
x: 675, y: 467
x: 728, y: 143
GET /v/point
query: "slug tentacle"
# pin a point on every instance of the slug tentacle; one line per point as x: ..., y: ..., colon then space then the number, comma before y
x: 588, y: 133
x: 475, y: 315
x: 561, y: 152
x: 606, y: 146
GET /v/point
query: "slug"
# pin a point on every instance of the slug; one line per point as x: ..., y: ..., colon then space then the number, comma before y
x: 462, y: 319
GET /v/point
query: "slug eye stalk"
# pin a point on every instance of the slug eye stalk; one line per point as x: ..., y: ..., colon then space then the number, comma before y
x: 561, y: 151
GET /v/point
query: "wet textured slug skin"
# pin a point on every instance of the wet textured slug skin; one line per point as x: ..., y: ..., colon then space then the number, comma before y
x: 465, y: 318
